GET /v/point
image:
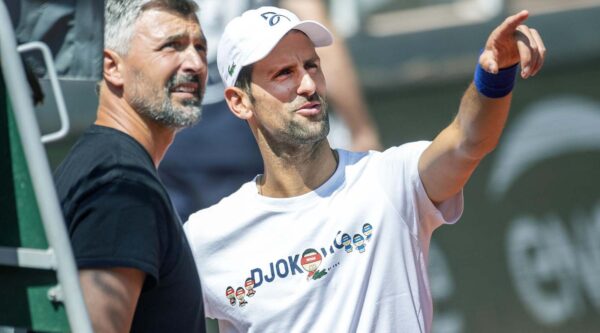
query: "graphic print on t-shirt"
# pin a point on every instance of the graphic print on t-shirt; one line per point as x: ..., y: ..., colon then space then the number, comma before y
x: 368, y: 231
x: 230, y: 294
x: 249, y: 285
x: 309, y: 261
x: 240, y: 293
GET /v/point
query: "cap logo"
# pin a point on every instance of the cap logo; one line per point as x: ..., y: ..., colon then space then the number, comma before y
x: 273, y: 18
x: 231, y: 69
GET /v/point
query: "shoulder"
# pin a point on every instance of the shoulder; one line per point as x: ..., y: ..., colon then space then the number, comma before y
x: 407, y: 151
x: 399, y: 162
x: 222, y: 216
x: 103, y: 165
x: 227, y: 206
x: 403, y: 154
x: 392, y: 168
x: 105, y: 153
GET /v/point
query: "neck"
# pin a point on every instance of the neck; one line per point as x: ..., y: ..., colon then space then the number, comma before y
x: 293, y: 173
x: 115, y: 113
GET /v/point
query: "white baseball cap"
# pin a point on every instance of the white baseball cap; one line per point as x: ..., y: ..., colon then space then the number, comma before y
x: 250, y: 37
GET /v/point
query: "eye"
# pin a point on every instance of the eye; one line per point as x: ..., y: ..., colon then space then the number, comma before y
x: 285, y: 71
x: 200, y: 47
x: 171, y: 45
x: 312, y: 65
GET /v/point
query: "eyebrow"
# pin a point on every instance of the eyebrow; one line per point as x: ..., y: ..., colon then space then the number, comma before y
x: 177, y: 37
x: 313, y: 59
x: 277, y: 69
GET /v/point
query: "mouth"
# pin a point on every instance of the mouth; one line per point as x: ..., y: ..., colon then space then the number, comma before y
x: 186, y: 90
x: 309, y: 109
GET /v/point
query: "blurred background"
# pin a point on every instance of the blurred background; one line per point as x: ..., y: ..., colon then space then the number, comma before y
x: 525, y: 257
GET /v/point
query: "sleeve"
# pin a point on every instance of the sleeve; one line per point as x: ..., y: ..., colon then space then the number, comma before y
x: 121, y: 224
x: 399, y: 175
x: 194, y: 231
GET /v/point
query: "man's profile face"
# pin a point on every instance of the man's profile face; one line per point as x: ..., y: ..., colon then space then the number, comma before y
x: 165, y: 74
x: 288, y: 86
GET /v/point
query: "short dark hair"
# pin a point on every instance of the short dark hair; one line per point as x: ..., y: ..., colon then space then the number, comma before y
x: 244, y: 80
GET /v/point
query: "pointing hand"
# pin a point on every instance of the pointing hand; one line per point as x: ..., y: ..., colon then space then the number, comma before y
x: 513, y: 42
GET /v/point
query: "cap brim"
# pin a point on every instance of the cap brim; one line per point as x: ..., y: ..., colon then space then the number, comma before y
x: 318, y: 34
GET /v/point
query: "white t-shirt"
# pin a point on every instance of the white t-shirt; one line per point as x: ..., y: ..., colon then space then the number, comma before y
x: 350, y: 256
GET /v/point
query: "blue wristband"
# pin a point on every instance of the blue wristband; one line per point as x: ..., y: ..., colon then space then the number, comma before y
x: 495, y: 85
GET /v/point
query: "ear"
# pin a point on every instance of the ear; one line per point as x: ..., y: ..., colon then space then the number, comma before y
x: 112, y: 68
x: 239, y: 102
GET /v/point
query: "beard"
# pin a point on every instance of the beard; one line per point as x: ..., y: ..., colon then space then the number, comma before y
x: 298, y: 133
x: 155, y: 103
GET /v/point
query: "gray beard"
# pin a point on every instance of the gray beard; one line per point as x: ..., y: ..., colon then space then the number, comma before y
x: 164, y: 112
x: 167, y: 114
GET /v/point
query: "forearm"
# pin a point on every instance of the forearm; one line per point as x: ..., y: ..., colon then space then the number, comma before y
x: 448, y: 163
x: 480, y: 122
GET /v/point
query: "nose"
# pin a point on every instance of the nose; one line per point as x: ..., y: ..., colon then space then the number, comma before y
x: 193, y: 61
x: 307, y: 85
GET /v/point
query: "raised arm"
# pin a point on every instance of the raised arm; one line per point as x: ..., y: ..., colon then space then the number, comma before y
x: 342, y: 82
x: 449, y: 161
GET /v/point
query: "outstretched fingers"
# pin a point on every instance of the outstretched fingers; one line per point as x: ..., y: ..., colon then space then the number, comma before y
x: 514, y: 42
x: 501, y: 50
x: 511, y: 23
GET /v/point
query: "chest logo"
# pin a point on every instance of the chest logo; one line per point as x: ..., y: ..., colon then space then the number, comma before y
x: 311, y: 260
x: 308, y: 262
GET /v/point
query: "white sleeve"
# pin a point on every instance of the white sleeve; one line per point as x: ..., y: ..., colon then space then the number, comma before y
x: 399, y: 176
x: 193, y: 232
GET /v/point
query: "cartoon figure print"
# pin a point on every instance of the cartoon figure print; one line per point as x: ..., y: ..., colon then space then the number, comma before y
x: 311, y: 260
x: 249, y: 284
x: 367, y: 231
x: 240, y: 293
x: 230, y: 294
x: 359, y: 242
x: 347, y: 242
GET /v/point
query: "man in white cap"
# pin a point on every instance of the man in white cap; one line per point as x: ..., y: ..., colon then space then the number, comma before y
x: 225, y: 152
x: 310, y: 195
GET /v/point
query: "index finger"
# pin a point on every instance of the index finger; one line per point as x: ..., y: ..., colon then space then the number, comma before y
x: 512, y: 22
